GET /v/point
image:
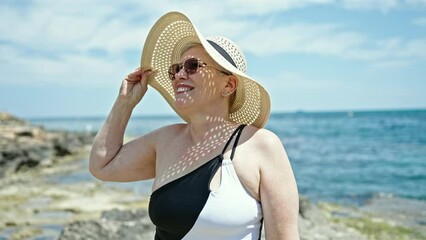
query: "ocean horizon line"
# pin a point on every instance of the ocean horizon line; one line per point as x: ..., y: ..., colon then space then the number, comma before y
x: 273, y: 113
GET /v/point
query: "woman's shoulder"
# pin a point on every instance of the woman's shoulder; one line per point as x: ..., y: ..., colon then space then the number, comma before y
x: 267, y: 148
x: 262, y: 138
x: 171, y: 130
x: 173, y: 127
x: 261, y: 135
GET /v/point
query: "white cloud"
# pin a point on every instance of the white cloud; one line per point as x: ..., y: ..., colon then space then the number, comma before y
x: 331, y: 40
x: 255, y: 7
x: 416, y: 3
x: 382, y: 5
x: 419, y: 22
x: 265, y: 7
x: 52, y: 27
x: 392, y: 64
x: 415, y: 48
x: 70, y: 70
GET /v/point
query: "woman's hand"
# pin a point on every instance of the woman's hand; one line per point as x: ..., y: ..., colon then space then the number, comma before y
x: 135, y: 85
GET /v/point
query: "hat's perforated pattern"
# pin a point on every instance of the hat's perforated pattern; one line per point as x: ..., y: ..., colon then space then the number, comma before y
x: 163, y: 50
x: 247, y: 104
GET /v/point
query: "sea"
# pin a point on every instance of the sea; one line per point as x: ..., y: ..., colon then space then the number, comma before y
x: 346, y: 157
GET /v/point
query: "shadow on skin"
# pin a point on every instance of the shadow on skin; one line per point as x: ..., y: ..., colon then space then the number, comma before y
x: 212, y: 142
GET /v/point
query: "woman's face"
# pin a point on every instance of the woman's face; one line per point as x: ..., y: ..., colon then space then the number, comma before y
x: 201, y: 88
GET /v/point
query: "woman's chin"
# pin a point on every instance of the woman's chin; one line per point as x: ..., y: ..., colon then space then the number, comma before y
x: 182, y: 103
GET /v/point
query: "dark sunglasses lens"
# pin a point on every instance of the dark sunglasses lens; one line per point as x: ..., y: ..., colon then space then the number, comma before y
x: 174, y: 68
x: 191, y: 65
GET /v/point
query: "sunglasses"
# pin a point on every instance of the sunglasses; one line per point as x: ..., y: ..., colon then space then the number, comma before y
x: 190, y: 66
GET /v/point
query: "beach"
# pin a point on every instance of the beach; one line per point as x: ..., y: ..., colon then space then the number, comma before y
x: 46, y: 192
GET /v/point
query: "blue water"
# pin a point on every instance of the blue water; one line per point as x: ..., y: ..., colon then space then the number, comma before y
x: 343, y: 157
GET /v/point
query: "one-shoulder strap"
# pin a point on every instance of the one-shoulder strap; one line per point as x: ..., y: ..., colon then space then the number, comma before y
x: 236, y: 141
x: 237, y: 131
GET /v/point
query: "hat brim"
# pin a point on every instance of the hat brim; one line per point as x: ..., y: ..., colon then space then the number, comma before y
x: 164, y: 45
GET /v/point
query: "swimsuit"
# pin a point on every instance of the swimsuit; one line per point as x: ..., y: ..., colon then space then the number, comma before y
x: 187, y: 209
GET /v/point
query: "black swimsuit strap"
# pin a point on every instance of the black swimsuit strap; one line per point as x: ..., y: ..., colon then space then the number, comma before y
x: 237, y: 131
x: 236, y: 141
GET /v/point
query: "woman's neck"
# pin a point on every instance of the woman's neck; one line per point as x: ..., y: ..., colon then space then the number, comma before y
x: 202, y: 129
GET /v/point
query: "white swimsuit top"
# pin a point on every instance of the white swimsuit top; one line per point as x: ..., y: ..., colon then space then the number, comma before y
x: 230, y: 213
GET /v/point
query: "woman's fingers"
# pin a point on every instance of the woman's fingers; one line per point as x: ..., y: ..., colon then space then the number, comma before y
x: 134, y: 76
x: 138, y: 74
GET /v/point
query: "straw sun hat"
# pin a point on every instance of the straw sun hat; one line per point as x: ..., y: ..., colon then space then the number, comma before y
x: 164, y: 45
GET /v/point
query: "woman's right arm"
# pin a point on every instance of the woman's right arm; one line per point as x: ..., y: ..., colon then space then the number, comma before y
x: 110, y: 160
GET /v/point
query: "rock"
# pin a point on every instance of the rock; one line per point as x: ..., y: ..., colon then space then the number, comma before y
x: 24, y: 146
x: 129, y: 225
x: 314, y: 224
x: 406, y: 213
x: 310, y: 212
x: 114, y: 224
x: 8, y: 119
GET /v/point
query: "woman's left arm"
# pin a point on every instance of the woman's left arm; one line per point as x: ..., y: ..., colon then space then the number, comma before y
x: 278, y: 190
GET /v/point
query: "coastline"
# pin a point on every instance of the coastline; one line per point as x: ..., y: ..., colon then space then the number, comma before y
x: 41, y: 202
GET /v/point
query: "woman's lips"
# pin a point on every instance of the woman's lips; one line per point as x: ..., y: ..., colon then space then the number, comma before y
x: 183, y: 89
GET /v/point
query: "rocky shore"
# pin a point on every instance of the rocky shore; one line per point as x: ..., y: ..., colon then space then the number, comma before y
x: 46, y: 192
x: 376, y: 220
x: 23, y: 146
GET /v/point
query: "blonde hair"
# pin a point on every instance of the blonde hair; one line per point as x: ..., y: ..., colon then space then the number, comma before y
x: 189, y: 46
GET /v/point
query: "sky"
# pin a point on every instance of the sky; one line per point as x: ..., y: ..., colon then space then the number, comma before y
x: 67, y: 58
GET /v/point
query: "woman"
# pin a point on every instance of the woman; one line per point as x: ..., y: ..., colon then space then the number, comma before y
x: 218, y: 176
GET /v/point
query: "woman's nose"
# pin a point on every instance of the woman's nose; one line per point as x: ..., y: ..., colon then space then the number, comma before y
x: 181, y: 74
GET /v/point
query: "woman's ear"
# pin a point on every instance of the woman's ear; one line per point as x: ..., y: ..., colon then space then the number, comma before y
x: 231, y: 86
